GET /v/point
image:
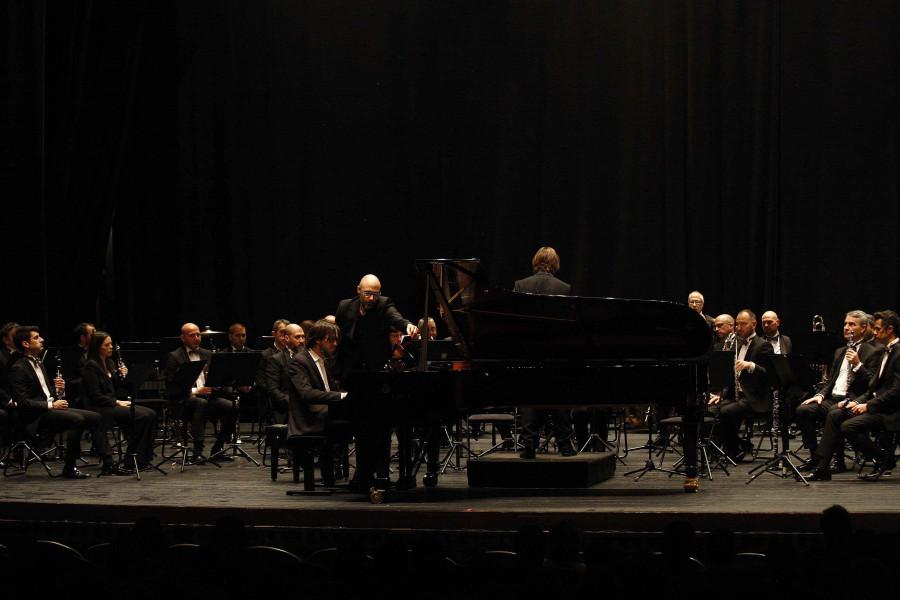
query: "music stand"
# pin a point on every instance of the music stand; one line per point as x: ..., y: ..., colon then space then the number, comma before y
x: 136, y: 376
x: 237, y: 369
x: 780, y: 376
x: 180, y: 385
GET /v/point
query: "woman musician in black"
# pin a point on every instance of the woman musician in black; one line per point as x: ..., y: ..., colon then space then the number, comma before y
x: 103, y: 392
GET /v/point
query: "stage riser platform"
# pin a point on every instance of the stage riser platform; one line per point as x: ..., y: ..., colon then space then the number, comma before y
x: 545, y: 471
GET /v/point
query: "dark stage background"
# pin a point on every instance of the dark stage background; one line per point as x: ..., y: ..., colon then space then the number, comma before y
x: 221, y: 161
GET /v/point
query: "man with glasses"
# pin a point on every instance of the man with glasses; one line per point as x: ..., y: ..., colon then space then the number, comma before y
x: 696, y: 301
x: 365, y: 322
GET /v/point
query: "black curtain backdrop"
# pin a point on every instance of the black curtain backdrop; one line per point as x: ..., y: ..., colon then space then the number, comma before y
x: 245, y: 161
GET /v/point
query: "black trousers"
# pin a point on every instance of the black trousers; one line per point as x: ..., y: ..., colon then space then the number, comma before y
x: 373, y: 453
x: 74, y: 422
x: 808, y: 417
x: 730, y: 418
x: 140, y: 429
x: 197, y: 409
x: 534, y: 418
x: 857, y: 429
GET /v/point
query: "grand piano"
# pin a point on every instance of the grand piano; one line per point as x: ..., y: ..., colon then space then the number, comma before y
x: 519, y: 349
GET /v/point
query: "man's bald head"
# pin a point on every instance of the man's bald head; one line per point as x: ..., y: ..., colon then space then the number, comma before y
x: 770, y: 323
x: 724, y: 325
x: 369, y: 290
x: 190, y: 336
x: 294, y: 336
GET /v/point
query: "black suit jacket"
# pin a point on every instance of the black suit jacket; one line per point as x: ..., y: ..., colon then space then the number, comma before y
x: 543, y: 283
x: 278, y: 384
x: 755, y: 385
x: 884, y: 391
x: 31, y: 402
x: 6, y: 360
x: 784, y: 343
x: 173, y: 360
x: 371, y: 349
x: 100, y: 390
x: 869, y: 356
x: 308, y: 399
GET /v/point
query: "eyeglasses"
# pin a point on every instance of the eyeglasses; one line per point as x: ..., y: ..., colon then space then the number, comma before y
x: 695, y: 301
x: 369, y: 294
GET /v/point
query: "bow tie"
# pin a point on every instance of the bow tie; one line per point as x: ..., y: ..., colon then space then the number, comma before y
x: 774, y: 338
x: 743, y: 342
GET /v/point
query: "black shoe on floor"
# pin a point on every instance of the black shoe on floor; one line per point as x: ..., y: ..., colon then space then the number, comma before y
x: 569, y: 452
x: 528, y: 453
x: 73, y: 473
x: 839, y: 466
x: 820, y: 474
x: 809, y: 465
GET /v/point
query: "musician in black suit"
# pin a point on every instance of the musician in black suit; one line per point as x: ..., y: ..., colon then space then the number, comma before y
x: 104, y: 393
x: 277, y: 381
x: 7, y: 356
x: 545, y: 266
x: 277, y: 346
x: 848, y: 379
x: 38, y: 406
x: 365, y: 321
x: 312, y: 388
x: 753, y: 396
x: 200, y: 400
x: 781, y: 344
x: 877, y: 410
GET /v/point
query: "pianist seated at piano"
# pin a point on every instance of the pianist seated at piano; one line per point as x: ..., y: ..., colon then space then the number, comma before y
x: 545, y: 266
x: 312, y: 389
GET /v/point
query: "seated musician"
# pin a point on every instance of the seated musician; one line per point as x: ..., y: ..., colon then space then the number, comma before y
x: 200, y: 400
x: 878, y: 408
x: 7, y: 408
x: 696, y: 302
x: 781, y: 344
x: 545, y: 266
x: 753, y: 395
x: 364, y: 321
x: 40, y: 408
x: 277, y: 346
x: 312, y: 389
x: 104, y: 393
x: 723, y: 326
x: 848, y: 379
x: 277, y: 381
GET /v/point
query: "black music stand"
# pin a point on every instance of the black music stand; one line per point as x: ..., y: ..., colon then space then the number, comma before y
x: 180, y: 384
x: 237, y: 369
x: 780, y: 376
x: 136, y: 376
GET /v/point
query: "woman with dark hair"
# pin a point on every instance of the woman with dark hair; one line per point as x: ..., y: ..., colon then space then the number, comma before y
x: 102, y: 392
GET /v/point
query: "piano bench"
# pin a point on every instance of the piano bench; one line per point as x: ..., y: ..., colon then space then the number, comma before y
x: 276, y: 435
x: 301, y: 448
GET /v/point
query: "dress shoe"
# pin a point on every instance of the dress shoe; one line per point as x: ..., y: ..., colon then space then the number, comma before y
x: 838, y: 466
x: 73, y: 473
x: 809, y: 465
x: 569, y: 452
x: 528, y: 453
x: 430, y: 479
x: 196, y: 459
x: 223, y: 458
x: 113, y: 469
x: 820, y: 474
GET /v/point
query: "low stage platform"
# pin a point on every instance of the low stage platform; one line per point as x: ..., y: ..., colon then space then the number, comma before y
x: 202, y: 494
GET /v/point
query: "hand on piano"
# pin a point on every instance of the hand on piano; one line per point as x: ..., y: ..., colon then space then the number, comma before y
x: 714, y: 399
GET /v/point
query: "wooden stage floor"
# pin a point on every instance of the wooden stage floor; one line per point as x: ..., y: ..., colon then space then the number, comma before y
x: 202, y: 494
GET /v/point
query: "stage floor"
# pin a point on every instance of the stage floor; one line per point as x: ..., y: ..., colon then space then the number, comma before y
x: 203, y: 493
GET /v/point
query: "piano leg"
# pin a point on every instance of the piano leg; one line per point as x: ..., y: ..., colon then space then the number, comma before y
x: 690, y: 425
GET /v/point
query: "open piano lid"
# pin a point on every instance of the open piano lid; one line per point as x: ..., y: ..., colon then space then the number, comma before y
x: 489, y: 323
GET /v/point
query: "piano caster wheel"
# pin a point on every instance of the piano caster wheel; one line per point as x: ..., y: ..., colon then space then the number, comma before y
x: 430, y: 480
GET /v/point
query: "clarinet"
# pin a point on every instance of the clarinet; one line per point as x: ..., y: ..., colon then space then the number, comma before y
x: 120, y: 364
x: 851, y: 346
x: 60, y: 392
